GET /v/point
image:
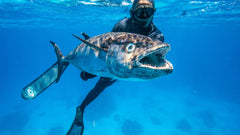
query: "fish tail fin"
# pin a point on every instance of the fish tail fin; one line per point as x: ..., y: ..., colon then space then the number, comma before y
x: 62, y: 63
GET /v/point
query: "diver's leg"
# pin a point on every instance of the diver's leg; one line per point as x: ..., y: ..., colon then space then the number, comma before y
x: 96, y: 91
x: 77, y: 125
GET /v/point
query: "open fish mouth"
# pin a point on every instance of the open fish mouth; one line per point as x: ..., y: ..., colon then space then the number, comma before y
x: 155, y: 59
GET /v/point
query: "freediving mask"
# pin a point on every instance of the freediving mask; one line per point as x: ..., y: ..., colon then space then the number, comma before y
x: 144, y: 9
x: 144, y: 12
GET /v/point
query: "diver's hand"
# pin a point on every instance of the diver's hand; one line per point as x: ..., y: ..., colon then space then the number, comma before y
x: 85, y: 76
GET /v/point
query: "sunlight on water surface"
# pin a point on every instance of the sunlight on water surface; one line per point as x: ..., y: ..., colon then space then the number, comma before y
x: 47, y: 13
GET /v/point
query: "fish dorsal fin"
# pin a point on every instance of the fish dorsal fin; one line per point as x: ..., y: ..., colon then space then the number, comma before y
x: 88, y: 43
x: 85, y: 35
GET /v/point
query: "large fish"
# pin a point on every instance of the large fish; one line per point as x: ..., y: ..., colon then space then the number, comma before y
x: 116, y: 55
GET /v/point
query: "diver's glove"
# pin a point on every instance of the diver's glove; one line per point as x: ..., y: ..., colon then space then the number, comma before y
x: 85, y: 76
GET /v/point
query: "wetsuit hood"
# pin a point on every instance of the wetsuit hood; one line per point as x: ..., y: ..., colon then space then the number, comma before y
x: 135, y: 5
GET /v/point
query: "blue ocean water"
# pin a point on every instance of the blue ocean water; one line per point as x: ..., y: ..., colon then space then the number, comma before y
x: 201, y: 96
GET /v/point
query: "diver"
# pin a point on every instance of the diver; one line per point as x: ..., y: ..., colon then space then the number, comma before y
x: 140, y: 22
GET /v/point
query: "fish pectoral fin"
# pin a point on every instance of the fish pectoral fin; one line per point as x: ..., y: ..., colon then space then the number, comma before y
x: 89, y: 44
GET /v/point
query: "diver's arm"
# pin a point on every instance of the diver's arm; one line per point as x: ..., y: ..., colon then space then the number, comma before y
x: 121, y: 26
x: 116, y: 28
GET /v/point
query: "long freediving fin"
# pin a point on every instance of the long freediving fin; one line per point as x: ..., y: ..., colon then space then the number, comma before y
x: 37, y: 86
x: 50, y: 76
x: 77, y: 126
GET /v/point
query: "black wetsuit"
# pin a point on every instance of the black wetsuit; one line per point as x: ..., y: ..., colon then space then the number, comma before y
x: 131, y: 25
x: 125, y: 25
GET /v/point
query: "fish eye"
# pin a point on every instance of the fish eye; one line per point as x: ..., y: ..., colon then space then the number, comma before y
x: 130, y: 47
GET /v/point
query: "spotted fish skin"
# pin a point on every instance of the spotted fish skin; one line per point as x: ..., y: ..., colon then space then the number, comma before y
x: 144, y: 60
